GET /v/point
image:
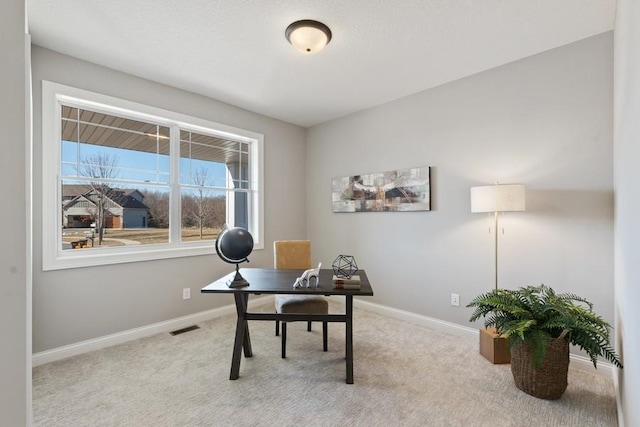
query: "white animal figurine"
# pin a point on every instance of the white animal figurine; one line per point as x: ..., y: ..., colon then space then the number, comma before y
x: 305, y: 279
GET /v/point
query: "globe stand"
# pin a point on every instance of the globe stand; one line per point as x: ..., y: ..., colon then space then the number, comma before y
x: 234, y: 245
x: 238, y: 281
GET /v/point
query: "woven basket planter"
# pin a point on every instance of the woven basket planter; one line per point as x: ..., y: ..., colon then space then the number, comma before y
x: 549, y: 380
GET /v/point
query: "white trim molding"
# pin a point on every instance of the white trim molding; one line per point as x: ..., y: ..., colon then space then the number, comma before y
x: 82, y: 347
x: 579, y: 362
x: 55, y: 257
x: 417, y: 319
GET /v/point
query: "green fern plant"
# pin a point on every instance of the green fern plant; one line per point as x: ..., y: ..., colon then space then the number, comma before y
x: 536, y: 314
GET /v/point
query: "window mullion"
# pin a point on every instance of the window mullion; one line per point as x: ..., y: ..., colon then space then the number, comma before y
x: 175, y: 205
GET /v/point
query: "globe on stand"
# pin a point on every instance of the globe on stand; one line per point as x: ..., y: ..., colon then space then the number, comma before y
x: 234, y: 245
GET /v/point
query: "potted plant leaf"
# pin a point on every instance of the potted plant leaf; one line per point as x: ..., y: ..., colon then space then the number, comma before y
x: 540, y: 324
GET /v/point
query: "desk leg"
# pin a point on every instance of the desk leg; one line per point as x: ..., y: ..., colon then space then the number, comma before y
x: 349, y: 338
x: 246, y: 343
x: 242, y: 339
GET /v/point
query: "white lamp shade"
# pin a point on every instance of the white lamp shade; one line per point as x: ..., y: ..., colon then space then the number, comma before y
x: 497, y: 198
x: 308, y: 36
x: 308, y: 39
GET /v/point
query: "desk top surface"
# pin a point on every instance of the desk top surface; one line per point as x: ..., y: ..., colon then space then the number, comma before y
x: 280, y: 281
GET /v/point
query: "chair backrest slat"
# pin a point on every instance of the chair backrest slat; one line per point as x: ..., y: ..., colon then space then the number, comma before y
x: 292, y: 254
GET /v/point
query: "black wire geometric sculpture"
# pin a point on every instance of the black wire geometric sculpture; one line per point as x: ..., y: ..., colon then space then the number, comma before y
x: 344, y: 266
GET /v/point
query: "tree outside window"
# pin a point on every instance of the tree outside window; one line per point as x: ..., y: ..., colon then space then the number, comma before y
x: 155, y: 184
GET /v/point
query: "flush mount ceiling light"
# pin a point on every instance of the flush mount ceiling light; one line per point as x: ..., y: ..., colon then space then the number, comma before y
x: 308, y: 36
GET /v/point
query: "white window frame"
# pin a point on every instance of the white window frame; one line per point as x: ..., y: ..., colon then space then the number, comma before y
x: 54, y: 257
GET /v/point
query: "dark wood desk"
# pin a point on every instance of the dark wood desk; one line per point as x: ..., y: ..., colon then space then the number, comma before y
x: 272, y: 281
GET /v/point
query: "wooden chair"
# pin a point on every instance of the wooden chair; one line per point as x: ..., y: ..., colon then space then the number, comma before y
x: 296, y: 254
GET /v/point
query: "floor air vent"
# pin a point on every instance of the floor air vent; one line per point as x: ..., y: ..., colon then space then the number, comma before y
x: 183, y: 330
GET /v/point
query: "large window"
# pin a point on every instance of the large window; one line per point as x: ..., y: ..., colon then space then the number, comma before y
x: 127, y: 182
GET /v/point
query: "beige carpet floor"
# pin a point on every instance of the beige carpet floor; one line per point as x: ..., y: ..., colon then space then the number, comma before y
x: 405, y: 375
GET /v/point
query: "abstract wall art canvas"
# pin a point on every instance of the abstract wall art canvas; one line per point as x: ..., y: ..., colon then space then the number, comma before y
x: 395, y: 191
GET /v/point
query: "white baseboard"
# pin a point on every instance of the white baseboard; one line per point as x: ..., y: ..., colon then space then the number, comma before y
x: 576, y: 361
x: 583, y: 363
x: 81, y: 347
x: 417, y: 319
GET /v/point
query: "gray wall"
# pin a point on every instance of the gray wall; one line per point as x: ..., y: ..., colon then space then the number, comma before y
x: 627, y: 230
x: 15, y: 367
x: 544, y: 121
x: 78, y: 304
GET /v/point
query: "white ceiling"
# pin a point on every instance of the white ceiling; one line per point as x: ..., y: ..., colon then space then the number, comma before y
x: 235, y: 50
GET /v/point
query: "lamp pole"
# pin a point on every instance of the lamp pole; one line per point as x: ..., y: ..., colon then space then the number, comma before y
x: 497, y: 198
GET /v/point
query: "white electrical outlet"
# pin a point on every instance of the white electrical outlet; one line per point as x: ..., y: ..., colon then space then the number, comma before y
x: 186, y: 293
x: 455, y: 300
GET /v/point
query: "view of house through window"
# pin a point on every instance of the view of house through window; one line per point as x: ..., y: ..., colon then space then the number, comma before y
x: 128, y: 182
x: 116, y: 182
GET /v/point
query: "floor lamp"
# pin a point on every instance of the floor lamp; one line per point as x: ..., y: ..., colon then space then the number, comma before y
x: 496, y: 198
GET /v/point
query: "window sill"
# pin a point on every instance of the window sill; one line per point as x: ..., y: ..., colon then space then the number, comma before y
x: 79, y: 258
